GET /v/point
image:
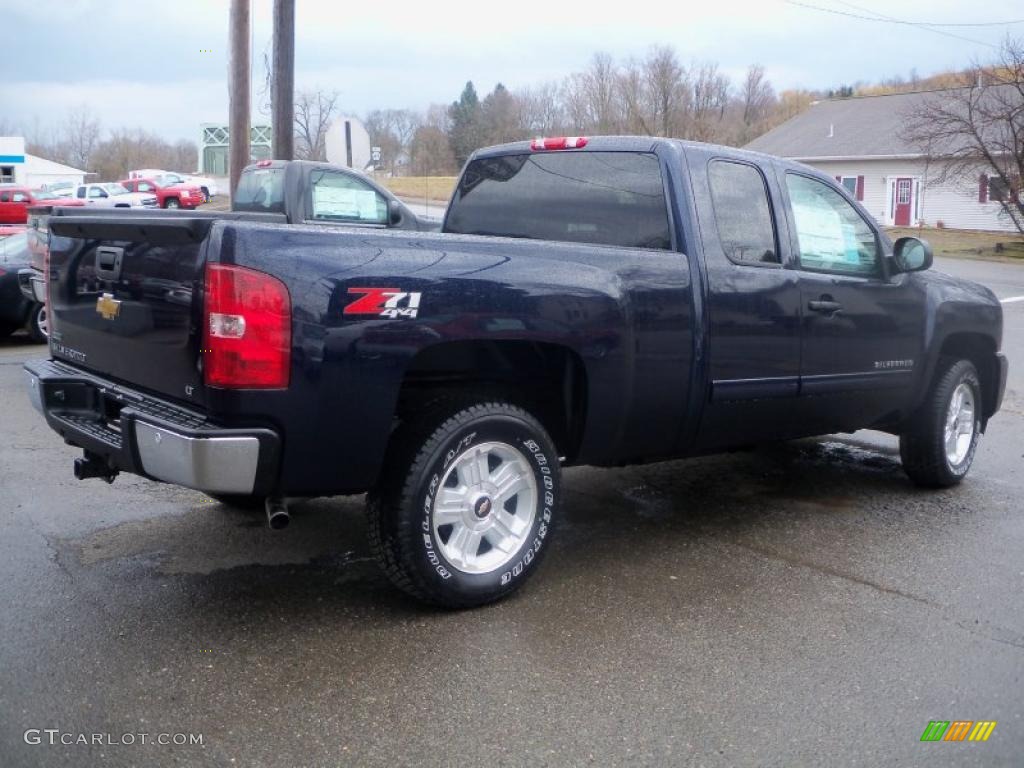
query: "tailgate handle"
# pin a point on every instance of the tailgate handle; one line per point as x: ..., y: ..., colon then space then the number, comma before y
x: 108, y: 262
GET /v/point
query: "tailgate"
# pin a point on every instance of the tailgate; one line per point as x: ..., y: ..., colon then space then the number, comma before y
x: 125, y: 297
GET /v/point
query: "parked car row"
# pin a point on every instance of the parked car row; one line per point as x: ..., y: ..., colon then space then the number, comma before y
x: 206, y: 185
x: 15, y: 201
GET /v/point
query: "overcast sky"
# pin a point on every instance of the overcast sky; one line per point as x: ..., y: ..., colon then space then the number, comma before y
x: 163, y: 65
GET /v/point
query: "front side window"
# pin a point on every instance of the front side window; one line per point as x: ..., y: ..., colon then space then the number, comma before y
x: 96, y: 192
x: 341, y: 197
x: 607, y: 198
x: 20, y: 197
x: 832, y: 236
x: 742, y: 213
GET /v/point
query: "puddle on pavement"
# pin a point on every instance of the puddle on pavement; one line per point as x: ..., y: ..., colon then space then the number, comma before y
x: 210, y: 537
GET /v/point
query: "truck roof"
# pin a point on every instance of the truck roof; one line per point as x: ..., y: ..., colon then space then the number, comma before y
x: 644, y: 144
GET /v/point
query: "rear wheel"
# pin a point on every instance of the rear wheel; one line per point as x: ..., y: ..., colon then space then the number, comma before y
x: 206, y: 195
x: 465, y: 506
x: 38, y: 324
x: 938, y: 447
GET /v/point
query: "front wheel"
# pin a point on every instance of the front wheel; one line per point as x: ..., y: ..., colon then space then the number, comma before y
x: 172, y: 202
x: 938, y: 448
x: 463, y: 512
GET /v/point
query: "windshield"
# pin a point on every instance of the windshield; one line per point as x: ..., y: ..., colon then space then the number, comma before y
x: 115, y: 189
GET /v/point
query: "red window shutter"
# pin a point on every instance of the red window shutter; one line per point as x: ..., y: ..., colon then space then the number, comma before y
x: 839, y: 179
x: 860, y: 188
x: 983, y: 189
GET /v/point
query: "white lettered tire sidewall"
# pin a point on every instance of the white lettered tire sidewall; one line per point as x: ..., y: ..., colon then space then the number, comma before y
x: 428, y: 557
x: 969, y: 377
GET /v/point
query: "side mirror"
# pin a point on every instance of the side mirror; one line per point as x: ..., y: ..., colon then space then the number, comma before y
x: 395, y: 213
x: 911, y: 254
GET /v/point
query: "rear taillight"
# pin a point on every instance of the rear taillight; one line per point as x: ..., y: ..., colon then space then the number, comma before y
x: 248, y: 336
x: 559, y: 142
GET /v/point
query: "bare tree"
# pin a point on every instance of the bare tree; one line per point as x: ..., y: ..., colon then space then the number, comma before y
x: 591, y: 96
x: 314, y: 111
x: 78, y: 137
x: 430, y: 151
x: 709, y: 101
x: 666, y: 91
x: 975, y: 134
x: 392, y: 130
x: 758, y: 98
x: 540, y: 110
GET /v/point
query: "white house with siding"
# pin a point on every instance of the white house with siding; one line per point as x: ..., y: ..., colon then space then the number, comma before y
x: 19, y: 167
x: 859, y: 141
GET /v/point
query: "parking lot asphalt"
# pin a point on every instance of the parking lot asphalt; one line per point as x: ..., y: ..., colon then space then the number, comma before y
x: 801, y: 604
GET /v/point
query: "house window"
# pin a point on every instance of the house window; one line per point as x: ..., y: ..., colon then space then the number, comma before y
x: 850, y: 183
x: 6, y: 174
x: 999, y: 191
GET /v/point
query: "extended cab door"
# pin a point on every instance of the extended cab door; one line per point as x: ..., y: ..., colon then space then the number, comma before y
x: 753, y: 302
x: 862, y: 330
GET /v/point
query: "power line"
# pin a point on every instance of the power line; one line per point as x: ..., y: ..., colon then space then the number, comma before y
x: 890, y: 20
x: 932, y: 23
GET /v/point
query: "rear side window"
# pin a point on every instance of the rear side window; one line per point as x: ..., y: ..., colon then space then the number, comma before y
x: 742, y: 213
x: 260, y: 190
x: 608, y: 198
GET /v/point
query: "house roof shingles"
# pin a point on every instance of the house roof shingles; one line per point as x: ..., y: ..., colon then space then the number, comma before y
x: 863, y: 126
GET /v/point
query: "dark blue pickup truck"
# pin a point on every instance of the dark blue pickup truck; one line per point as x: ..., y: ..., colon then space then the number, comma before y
x: 604, y: 301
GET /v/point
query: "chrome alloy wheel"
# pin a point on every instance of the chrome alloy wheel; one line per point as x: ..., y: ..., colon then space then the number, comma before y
x: 959, y: 431
x: 485, y: 507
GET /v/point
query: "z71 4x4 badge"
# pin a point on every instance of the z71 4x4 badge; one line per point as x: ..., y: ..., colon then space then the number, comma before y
x: 384, y: 302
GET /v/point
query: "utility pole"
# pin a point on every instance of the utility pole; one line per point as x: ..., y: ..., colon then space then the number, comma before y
x: 282, y: 84
x: 239, y: 85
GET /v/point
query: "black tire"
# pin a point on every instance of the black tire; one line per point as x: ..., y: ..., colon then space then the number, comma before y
x: 206, y: 194
x: 6, y: 329
x: 172, y: 202
x: 409, y: 541
x: 37, y: 326
x: 240, y: 500
x: 923, y: 446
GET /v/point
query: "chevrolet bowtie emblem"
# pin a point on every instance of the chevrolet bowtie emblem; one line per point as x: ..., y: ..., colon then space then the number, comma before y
x: 108, y: 306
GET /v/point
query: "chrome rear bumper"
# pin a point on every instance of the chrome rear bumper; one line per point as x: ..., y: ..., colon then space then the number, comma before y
x: 135, y: 432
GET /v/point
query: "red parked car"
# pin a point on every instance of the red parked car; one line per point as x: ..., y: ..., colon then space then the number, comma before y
x: 167, y: 195
x: 15, y: 202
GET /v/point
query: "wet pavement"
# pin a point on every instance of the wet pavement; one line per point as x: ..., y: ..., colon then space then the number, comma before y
x: 795, y: 605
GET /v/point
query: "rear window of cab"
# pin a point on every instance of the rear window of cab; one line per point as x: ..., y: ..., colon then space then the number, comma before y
x: 605, y: 198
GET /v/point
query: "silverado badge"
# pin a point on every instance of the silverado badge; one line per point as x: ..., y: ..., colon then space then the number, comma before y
x: 108, y: 306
